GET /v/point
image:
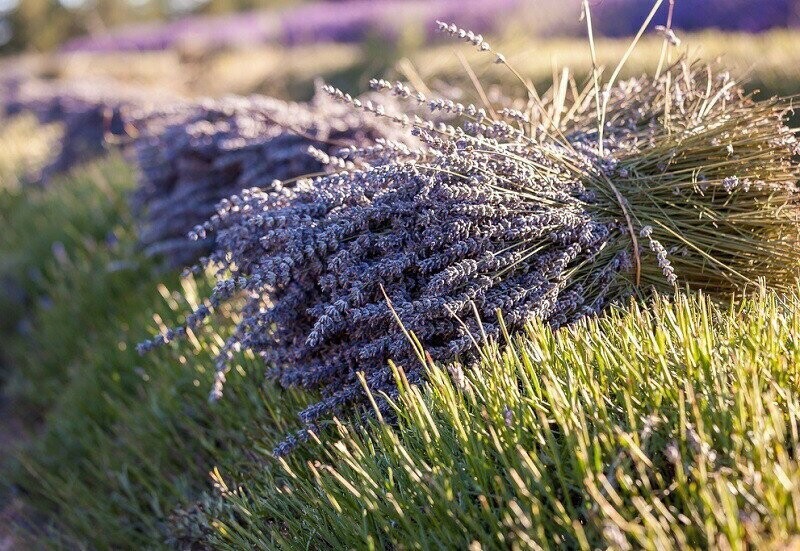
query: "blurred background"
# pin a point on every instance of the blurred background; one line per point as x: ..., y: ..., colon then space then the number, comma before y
x: 278, y: 47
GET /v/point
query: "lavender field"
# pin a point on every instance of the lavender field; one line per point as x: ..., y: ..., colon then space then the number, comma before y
x: 394, y: 274
x: 355, y: 20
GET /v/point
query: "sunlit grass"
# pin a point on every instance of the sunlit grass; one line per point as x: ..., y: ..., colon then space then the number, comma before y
x: 669, y: 427
x: 42, y: 228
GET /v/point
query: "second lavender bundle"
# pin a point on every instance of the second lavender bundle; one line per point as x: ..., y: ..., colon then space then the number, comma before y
x: 192, y: 155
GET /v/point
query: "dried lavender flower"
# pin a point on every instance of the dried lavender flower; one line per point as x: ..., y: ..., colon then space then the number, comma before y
x: 530, y: 221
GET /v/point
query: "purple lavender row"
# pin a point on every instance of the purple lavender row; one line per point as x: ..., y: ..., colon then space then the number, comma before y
x: 351, y: 21
x: 354, y: 20
x: 624, y: 17
x: 230, y: 30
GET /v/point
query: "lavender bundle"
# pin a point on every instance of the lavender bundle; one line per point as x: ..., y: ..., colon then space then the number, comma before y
x: 505, y: 216
x: 90, y: 113
x: 195, y: 154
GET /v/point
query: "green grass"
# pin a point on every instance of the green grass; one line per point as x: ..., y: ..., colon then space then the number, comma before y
x: 771, y: 59
x: 666, y: 427
x: 119, y: 440
x: 671, y: 427
x: 130, y: 439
